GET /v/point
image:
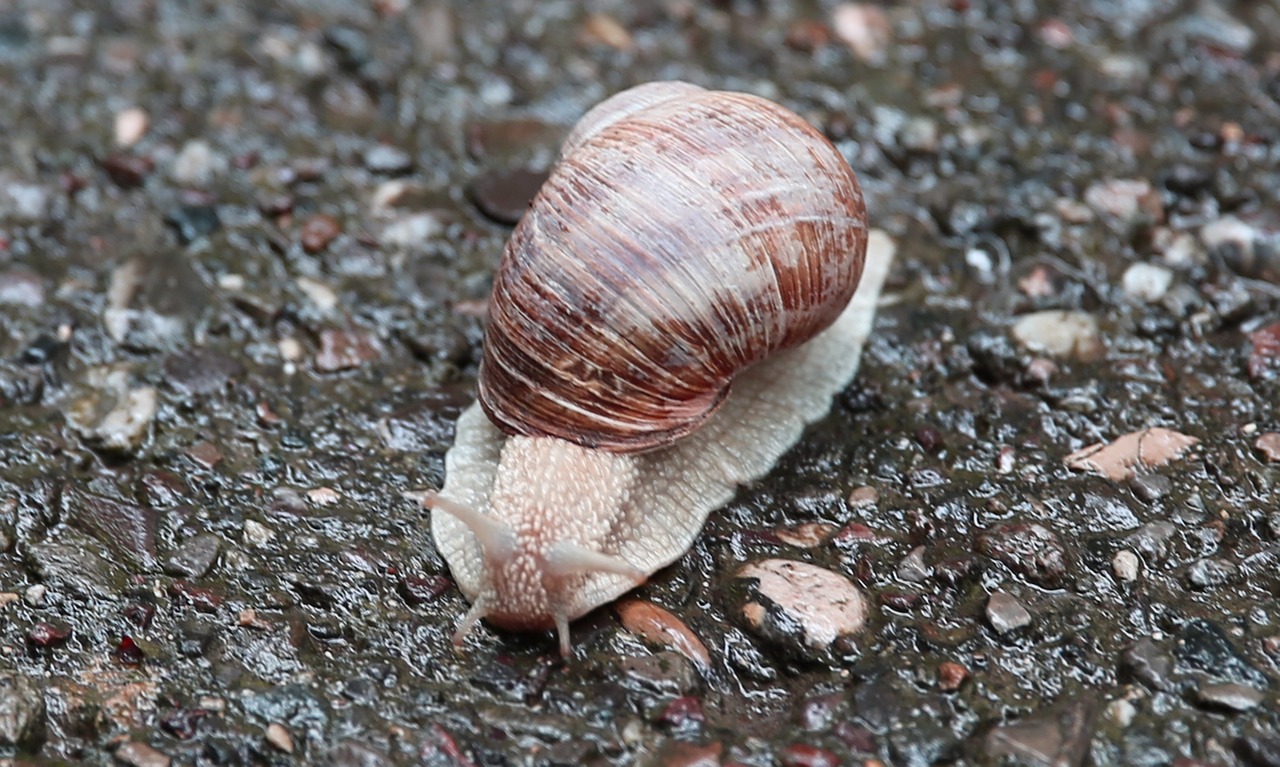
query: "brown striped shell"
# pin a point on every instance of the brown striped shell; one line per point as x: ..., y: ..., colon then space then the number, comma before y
x: 683, y: 236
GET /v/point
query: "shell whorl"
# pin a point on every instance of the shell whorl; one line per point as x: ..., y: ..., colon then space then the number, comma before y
x: 684, y: 235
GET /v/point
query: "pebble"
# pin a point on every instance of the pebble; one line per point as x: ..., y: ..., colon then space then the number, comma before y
x: 193, y: 222
x: 320, y: 294
x: 1268, y: 446
x: 1249, y: 247
x: 411, y: 231
x: 1122, y: 458
x: 603, y: 29
x: 808, y: 35
x: 200, y: 372
x: 807, y: 535
x: 318, y: 232
x: 280, y: 739
x: 823, y: 605
x: 388, y: 160
x: 504, y: 195
x: 865, y: 29
x: 1148, y: 664
x: 1053, y: 739
x: 256, y: 534
x: 1029, y: 549
x: 195, y: 557
x: 1006, y: 613
x: 665, y: 673
x: 1146, y: 283
x: 912, y: 568
x: 113, y: 416
x: 1264, y: 353
x: 951, y: 676
x: 658, y: 626
x: 1125, y: 199
x: 27, y: 202
x: 197, y: 164
x: 1125, y: 564
x: 21, y: 288
x: 805, y: 755
x: 1230, y: 696
x: 22, y: 712
x: 344, y: 350
x: 1060, y: 333
x: 135, y: 754
x: 1203, y: 646
x: 130, y: 126
x: 125, y: 528
x: 1210, y: 573
x: 127, y: 171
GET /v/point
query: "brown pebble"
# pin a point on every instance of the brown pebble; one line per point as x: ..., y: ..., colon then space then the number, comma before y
x: 318, y: 231
x: 804, y: 755
x: 504, y: 195
x: 137, y: 754
x: 1268, y: 446
x: 863, y: 496
x: 128, y: 171
x: 603, y: 29
x: 808, y: 35
x: 344, y: 350
x: 279, y: 737
x: 206, y: 454
x: 951, y: 676
x: 656, y: 625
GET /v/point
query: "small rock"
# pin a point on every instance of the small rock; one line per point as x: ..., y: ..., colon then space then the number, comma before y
x: 504, y: 195
x: 318, y: 232
x: 1006, y: 613
x: 323, y: 296
x: 344, y: 350
x: 1230, y: 696
x: 1152, y: 539
x: 658, y: 626
x: 130, y: 126
x: 193, y: 222
x: 1203, y: 646
x: 1264, y: 357
x: 199, y: 372
x: 1125, y: 564
x: 912, y: 568
x: 22, y: 713
x: 387, y: 159
x: 127, y: 529
x: 195, y: 557
x: 1029, y: 549
x: 278, y: 736
x: 197, y: 164
x: 865, y: 29
x: 822, y: 605
x: 21, y: 288
x: 806, y: 535
x: 1125, y: 199
x: 805, y: 755
x: 1258, y: 751
x: 256, y: 534
x: 48, y: 635
x: 411, y: 231
x: 1060, y: 333
x: 1250, y: 248
x: 808, y: 35
x: 1148, y: 664
x: 135, y: 754
x: 665, y: 673
x: 1210, y: 573
x: 1146, y: 282
x: 1212, y: 25
x: 1143, y: 449
x: 27, y: 202
x: 951, y: 676
x: 1057, y: 739
x: 603, y: 29
x: 113, y: 417
x: 128, y: 171
x: 1268, y: 446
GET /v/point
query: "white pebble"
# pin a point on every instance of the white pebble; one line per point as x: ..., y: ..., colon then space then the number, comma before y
x: 131, y: 126
x: 1059, y: 333
x: 1125, y: 565
x: 1146, y: 282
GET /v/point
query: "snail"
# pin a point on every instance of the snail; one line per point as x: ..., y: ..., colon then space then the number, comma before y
x: 671, y: 311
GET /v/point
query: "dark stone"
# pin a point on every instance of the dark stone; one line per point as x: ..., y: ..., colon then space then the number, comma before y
x: 1204, y: 647
x: 1258, y: 751
x: 504, y: 195
x: 22, y: 713
x: 1055, y: 739
x: 127, y: 529
x: 1029, y: 549
x: 73, y: 566
x: 201, y: 371
x: 195, y: 557
x: 128, y: 171
x: 193, y: 222
x: 1148, y: 664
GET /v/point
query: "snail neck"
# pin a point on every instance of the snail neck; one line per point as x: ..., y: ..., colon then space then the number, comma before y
x: 555, y: 514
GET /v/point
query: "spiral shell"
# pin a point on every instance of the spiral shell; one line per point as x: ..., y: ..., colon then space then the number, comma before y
x: 684, y: 236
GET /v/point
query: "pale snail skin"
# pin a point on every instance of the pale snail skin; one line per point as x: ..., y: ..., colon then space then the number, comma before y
x: 598, y: 478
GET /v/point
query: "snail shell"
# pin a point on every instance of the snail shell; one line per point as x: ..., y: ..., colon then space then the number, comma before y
x: 669, y: 314
x: 684, y: 236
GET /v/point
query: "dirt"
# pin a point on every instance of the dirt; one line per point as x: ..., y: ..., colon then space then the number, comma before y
x: 244, y: 254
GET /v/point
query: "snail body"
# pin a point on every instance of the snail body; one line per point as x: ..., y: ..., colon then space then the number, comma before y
x: 671, y: 311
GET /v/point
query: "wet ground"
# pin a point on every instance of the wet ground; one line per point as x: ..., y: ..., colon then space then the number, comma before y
x: 244, y: 250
